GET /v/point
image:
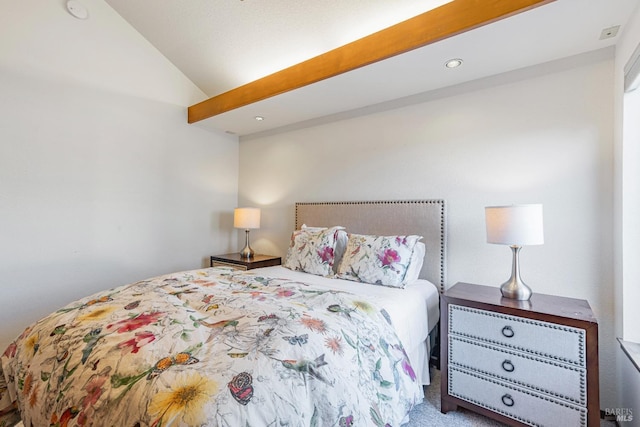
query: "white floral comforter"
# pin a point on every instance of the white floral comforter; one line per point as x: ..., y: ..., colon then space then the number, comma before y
x: 214, y: 347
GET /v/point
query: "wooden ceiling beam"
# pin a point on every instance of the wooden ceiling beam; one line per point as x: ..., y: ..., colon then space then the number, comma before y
x: 443, y: 22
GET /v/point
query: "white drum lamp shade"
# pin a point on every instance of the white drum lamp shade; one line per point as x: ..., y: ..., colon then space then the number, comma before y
x: 246, y: 218
x: 516, y: 226
x: 519, y: 225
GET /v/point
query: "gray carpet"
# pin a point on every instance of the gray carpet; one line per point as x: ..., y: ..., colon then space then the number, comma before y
x: 428, y: 413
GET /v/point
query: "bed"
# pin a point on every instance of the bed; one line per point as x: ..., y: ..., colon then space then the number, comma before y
x: 274, y: 346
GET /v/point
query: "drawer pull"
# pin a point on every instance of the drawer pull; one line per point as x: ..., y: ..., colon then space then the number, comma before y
x: 508, y: 400
x: 508, y: 332
x: 508, y: 366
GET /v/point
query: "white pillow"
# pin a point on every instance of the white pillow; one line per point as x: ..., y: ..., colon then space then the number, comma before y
x: 415, y: 265
x: 309, y: 228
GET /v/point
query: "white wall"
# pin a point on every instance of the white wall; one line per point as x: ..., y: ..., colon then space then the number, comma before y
x: 539, y: 135
x: 626, y: 225
x: 102, y: 181
x: 627, y: 176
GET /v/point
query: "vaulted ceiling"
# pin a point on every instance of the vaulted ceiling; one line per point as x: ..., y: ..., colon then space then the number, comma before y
x: 234, y: 50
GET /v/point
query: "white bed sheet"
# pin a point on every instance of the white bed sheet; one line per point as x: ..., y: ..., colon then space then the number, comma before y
x: 414, y: 310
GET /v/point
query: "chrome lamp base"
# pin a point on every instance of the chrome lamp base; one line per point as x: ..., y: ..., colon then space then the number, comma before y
x: 515, y: 288
x: 247, y: 252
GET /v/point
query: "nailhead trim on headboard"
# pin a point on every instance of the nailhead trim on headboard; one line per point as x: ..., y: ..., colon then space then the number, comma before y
x: 439, y: 204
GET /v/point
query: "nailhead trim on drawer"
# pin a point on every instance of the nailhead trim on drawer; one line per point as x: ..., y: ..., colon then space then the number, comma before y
x: 582, y: 411
x: 579, y: 332
x: 583, y: 378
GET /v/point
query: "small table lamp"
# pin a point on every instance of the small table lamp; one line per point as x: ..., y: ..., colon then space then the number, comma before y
x: 516, y: 226
x: 246, y: 218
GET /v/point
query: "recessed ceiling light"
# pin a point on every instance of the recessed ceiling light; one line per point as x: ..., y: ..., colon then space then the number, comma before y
x: 259, y: 118
x: 610, y: 32
x: 77, y: 9
x: 453, y: 63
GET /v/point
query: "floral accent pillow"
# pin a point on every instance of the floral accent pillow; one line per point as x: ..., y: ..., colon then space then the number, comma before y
x: 341, y: 243
x: 378, y: 260
x: 313, y: 251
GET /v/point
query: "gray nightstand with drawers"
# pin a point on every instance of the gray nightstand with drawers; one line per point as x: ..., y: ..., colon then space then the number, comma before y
x: 521, y: 362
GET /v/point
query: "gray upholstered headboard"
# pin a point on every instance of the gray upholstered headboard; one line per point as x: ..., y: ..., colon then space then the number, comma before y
x: 387, y: 218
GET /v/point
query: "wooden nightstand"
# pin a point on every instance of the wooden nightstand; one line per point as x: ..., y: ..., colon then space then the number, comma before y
x: 520, y: 362
x: 236, y: 261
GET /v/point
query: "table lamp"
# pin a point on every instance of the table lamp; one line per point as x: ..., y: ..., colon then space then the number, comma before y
x: 516, y: 226
x: 246, y: 218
